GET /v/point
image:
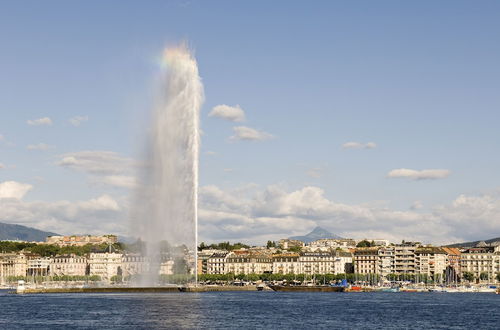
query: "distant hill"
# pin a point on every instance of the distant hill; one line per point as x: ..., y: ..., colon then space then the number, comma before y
x: 317, y: 233
x: 471, y: 244
x: 22, y: 233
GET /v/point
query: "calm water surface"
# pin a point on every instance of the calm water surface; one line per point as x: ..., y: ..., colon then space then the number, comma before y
x: 251, y: 310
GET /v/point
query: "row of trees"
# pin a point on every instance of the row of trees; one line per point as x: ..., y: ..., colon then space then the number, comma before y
x: 370, y: 278
x: 288, y: 277
x: 223, y: 246
x: 469, y: 276
x: 48, y: 250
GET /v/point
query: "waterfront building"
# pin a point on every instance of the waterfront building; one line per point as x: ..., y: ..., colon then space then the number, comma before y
x: 71, y: 265
x: 241, y: 262
x: 37, y: 266
x: 343, y: 262
x: 286, y: 263
x: 404, y: 258
x: 105, y: 265
x: 453, y: 259
x: 386, y: 261
x: 312, y: 263
x: 431, y: 261
x: 482, y: 262
x: 203, y: 256
x: 12, y: 265
x: 134, y: 264
x: 216, y: 263
x: 366, y: 260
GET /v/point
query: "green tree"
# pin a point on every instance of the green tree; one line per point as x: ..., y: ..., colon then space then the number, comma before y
x: 483, y: 276
x: 296, y: 249
x: 498, y: 277
x: 270, y: 244
x: 468, y: 276
x: 364, y: 243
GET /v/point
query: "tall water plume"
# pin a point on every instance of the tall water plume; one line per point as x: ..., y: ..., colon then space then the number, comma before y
x: 164, y: 213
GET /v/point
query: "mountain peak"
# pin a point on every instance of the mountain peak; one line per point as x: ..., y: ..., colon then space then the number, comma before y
x: 316, y: 233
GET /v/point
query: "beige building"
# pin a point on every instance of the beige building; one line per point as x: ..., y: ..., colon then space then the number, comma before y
x: 216, y: 263
x: 481, y: 260
x: 290, y: 243
x: 248, y: 263
x: 37, y: 266
x: 71, y: 265
x: 366, y: 260
x: 431, y: 261
x: 134, y: 264
x: 80, y: 240
x: 286, y: 263
x: 312, y: 263
x: 105, y: 265
x: 326, y: 244
x: 404, y: 258
x: 12, y: 264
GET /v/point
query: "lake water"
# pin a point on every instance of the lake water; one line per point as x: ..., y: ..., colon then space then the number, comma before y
x: 251, y: 310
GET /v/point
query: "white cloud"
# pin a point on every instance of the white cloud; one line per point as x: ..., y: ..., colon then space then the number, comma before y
x: 103, y: 167
x: 274, y: 213
x: 40, y: 121
x: 39, y: 146
x: 249, y: 134
x: 227, y: 112
x: 419, y: 175
x: 122, y: 181
x: 228, y: 170
x: 13, y: 189
x: 359, y: 145
x: 101, y: 215
x: 76, y: 121
x: 96, y: 162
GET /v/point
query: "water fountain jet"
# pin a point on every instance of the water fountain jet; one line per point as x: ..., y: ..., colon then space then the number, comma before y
x: 164, y: 213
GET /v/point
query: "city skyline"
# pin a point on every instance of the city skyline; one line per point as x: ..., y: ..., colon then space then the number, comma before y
x: 373, y: 121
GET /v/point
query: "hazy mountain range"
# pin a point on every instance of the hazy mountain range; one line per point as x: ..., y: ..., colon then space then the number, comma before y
x: 472, y: 244
x: 22, y: 233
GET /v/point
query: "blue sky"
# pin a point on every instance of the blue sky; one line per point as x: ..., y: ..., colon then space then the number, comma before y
x: 418, y: 79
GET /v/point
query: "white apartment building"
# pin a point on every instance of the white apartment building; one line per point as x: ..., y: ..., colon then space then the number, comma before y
x: 431, y: 261
x: 312, y: 263
x: 286, y: 263
x: 216, y: 263
x: 71, y: 265
x: 38, y: 266
x: 12, y: 264
x: 245, y: 263
x: 404, y: 258
x: 480, y: 260
x: 105, y: 265
x: 343, y: 262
